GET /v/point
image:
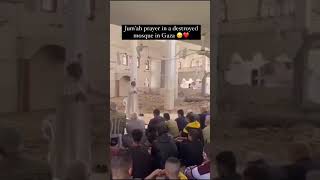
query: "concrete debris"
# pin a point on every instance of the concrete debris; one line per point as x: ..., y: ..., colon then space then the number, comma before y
x: 196, y: 99
x: 148, y: 101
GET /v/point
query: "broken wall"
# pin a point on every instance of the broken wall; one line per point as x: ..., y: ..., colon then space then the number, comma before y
x: 257, y: 70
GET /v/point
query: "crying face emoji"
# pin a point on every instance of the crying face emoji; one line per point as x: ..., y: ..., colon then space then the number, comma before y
x: 179, y: 35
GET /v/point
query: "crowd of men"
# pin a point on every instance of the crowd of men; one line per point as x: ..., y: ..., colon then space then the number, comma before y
x: 179, y: 149
x: 165, y: 145
x: 166, y: 149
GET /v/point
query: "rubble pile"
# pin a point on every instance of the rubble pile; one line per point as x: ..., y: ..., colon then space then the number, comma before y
x: 196, y: 99
x: 148, y: 101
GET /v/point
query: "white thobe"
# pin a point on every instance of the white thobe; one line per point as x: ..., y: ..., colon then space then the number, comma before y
x: 73, y: 125
x: 132, y: 104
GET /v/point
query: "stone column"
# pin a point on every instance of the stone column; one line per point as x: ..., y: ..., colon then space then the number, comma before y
x: 155, y: 71
x: 73, y: 124
x: 133, y: 62
x: 170, y: 80
x: 303, y: 19
x: 22, y: 77
x: 204, y: 79
x: 177, y: 85
x: 303, y: 14
x: 308, y: 14
x: 215, y: 87
x: 76, y: 29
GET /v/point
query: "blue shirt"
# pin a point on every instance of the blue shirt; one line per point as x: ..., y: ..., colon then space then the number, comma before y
x: 181, y: 122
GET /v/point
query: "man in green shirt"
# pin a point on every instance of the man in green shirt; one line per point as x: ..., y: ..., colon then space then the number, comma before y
x: 172, y: 125
x: 206, y: 130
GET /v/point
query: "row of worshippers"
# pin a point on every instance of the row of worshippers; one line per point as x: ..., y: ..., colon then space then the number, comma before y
x: 302, y: 166
x: 14, y: 165
x: 176, y: 127
x: 167, y: 141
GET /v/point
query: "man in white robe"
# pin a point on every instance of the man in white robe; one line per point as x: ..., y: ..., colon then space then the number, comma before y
x: 125, y: 103
x: 73, y: 124
x: 132, y: 104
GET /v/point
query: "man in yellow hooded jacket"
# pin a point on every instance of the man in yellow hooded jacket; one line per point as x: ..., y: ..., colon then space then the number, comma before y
x: 193, y: 123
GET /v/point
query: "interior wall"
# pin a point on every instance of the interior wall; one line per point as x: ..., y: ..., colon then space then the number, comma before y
x: 118, y: 45
x: 156, y: 50
x: 124, y: 83
x: 155, y: 74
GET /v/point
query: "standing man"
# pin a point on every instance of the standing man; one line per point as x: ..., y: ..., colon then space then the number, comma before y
x: 203, y: 115
x: 181, y: 120
x: 73, y: 123
x: 132, y: 106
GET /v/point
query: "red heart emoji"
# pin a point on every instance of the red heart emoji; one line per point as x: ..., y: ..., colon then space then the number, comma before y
x: 185, y: 34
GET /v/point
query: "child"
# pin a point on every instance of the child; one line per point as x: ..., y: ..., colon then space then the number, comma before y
x: 171, y: 171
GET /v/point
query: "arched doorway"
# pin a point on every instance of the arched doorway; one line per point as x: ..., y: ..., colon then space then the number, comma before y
x: 124, y: 85
x: 46, y: 77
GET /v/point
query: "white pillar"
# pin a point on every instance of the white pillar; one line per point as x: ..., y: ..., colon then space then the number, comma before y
x: 309, y: 15
x: 73, y: 132
x: 303, y: 14
x: 170, y: 80
x: 76, y: 29
x: 176, y: 87
x: 177, y: 75
x: 134, y: 61
x: 204, y: 87
x: 155, y: 74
